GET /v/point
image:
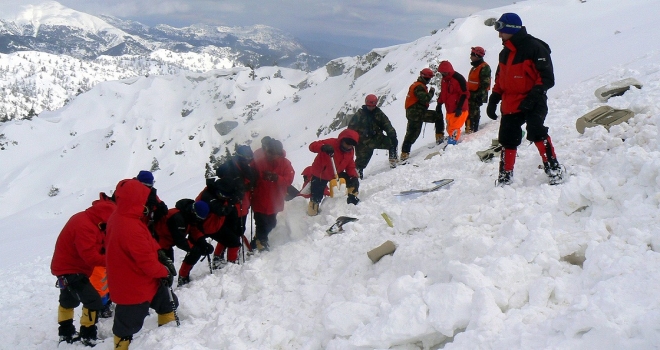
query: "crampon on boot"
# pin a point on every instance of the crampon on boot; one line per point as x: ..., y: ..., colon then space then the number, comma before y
x: 555, y: 172
x: 218, y: 262
x: 504, y: 178
x: 507, y: 161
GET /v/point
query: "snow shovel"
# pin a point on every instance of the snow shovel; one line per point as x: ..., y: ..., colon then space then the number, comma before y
x: 336, y: 184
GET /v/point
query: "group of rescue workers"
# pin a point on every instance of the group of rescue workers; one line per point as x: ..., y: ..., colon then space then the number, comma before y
x: 121, y: 249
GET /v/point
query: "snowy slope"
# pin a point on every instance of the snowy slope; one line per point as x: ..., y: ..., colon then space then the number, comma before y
x: 529, y: 266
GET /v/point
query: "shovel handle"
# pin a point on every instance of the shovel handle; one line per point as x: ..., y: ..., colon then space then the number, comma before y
x: 334, y: 167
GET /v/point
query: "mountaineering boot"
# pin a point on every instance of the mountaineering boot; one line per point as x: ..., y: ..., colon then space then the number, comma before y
x: 313, y: 208
x: 439, y: 139
x: 505, y: 178
x: 393, y: 158
x: 453, y: 139
x: 184, y: 274
x: 404, y: 158
x: 218, y: 262
x: 66, y: 330
x: 164, y: 319
x: 551, y: 166
x: 88, y: 335
x: 182, y: 281
x: 554, y: 171
x: 352, y: 196
x: 507, y: 161
x: 122, y: 343
x: 106, y: 312
x: 261, y: 245
x: 88, y: 327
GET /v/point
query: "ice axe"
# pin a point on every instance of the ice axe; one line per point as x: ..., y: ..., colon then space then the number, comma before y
x: 337, y: 181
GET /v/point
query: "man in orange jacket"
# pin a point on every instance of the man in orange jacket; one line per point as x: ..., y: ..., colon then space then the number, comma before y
x: 479, y: 84
x: 417, y: 103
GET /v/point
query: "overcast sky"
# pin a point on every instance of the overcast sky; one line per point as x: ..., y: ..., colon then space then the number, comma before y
x: 372, y: 23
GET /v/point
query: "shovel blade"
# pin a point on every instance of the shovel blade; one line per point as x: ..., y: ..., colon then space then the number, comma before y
x: 337, y: 187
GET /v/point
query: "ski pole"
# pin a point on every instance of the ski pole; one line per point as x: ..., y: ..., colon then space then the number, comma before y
x: 169, y: 293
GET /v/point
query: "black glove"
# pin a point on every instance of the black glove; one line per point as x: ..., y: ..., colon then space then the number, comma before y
x: 270, y: 176
x: 328, y: 149
x: 220, y: 207
x: 457, y: 112
x: 533, y: 96
x: 432, y: 91
x: 165, y: 260
x: 168, y: 281
x: 352, y: 199
x: 495, y: 98
x: 204, y: 247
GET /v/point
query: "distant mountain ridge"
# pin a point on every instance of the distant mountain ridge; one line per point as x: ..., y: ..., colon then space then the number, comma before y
x: 53, y: 28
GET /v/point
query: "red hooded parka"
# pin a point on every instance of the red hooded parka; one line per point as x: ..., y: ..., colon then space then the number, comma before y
x: 134, y: 272
x: 344, y: 161
x: 78, y: 247
x: 268, y: 196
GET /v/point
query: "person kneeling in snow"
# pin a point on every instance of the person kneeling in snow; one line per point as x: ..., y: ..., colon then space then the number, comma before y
x: 173, y: 229
x: 78, y: 250
x: 370, y: 122
x: 136, y: 276
x: 340, y: 152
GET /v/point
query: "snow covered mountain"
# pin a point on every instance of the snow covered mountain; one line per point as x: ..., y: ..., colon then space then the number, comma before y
x: 53, y: 28
x: 53, y: 53
x: 528, y: 266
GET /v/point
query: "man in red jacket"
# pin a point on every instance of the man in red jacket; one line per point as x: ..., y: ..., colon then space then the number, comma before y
x: 136, y: 277
x: 341, y: 151
x: 454, y: 95
x: 78, y: 250
x: 275, y: 175
x: 523, y: 76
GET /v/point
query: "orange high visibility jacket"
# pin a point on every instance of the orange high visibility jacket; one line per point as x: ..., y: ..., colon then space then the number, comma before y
x: 474, y: 77
x: 411, y: 98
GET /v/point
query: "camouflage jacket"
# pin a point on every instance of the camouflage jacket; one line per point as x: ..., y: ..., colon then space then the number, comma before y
x: 369, y: 123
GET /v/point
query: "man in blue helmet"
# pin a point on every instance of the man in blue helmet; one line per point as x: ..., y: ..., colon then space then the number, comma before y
x: 523, y: 76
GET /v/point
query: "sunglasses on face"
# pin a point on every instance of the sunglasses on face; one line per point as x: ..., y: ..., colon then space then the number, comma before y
x: 500, y: 25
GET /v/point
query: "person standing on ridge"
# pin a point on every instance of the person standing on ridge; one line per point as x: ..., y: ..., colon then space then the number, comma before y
x: 417, y: 103
x: 479, y: 84
x: 454, y: 95
x: 524, y: 75
x: 370, y: 122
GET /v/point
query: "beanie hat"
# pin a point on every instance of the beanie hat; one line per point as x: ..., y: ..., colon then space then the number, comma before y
x: 201, y: 209
x: 146, y: 177
x: 509, y: 23
x: 244, y: 152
